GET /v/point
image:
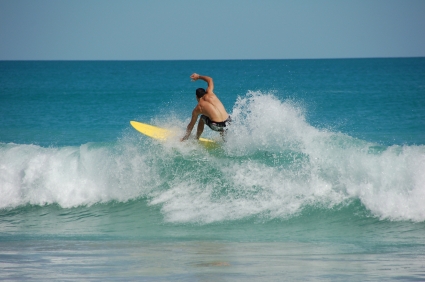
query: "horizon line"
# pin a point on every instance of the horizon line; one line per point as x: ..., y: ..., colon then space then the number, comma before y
x: 256, y: 59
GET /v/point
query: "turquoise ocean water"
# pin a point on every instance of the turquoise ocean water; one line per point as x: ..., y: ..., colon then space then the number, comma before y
x: 322, y: 177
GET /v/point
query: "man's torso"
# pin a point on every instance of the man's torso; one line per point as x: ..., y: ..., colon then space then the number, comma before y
x: 211, y: 106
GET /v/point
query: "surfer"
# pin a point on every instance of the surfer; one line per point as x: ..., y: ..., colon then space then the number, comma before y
x: 210, y: 108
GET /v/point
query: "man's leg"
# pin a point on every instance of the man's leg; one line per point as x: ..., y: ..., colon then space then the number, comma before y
x: 223, y: 134
x: 200, y: 128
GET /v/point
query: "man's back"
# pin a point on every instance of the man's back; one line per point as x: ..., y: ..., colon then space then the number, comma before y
x: 212, y: 107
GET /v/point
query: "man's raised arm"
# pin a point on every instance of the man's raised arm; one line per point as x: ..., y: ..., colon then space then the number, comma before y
x: 205, y: 78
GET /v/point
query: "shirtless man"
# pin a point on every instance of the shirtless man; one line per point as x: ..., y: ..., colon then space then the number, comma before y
x: 210, y: 108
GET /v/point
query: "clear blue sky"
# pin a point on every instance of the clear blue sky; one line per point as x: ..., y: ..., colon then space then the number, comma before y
x: 214, y: 29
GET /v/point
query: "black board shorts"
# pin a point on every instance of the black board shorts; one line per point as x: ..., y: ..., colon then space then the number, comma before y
x: 216, y: 126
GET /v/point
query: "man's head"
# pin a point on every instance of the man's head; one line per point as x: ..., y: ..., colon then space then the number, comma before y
x: 200, y: 92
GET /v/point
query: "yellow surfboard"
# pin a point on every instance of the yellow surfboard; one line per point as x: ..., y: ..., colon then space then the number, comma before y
x: 162, y: 133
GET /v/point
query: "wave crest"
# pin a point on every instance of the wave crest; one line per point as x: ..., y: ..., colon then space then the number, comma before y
x: 274, y: 165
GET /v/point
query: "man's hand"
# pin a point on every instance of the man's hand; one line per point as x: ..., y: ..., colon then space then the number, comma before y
x: 194, y: 77
x: 184, y: 138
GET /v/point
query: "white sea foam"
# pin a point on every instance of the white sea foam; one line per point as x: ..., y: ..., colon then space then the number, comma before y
x: 69, y: 176
x: 273, y: 165
x: 328, y: 169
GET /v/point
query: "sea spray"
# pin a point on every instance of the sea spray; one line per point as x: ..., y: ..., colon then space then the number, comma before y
x: 274, y: 165
x: 71, y: 176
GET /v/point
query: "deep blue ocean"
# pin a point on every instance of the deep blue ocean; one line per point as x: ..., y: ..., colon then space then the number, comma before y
x: 322, y: 177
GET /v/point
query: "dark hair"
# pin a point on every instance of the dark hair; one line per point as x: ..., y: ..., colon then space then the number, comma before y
x: 200, y: 92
